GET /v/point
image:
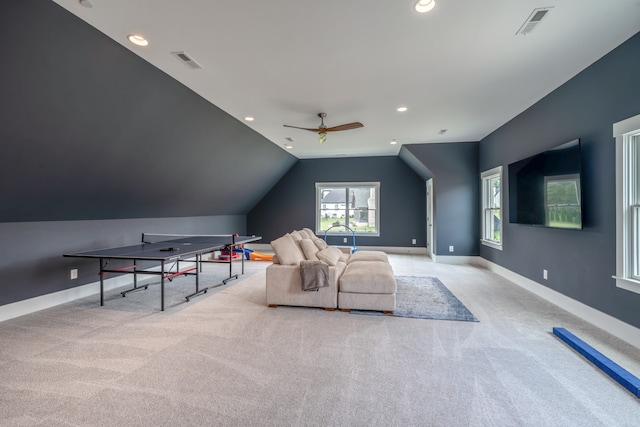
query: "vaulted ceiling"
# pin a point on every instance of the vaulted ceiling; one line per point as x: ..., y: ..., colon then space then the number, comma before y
x: 461, y: 70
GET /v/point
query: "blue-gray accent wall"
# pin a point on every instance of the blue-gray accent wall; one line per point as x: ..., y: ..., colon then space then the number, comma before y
x: 580, y: 264
x: 90, y: 130
x: 454, y: 169
x: 291, y: 203
x: 98, y: 146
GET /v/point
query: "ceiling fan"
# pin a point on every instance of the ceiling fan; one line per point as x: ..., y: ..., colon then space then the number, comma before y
x: 322, y: 130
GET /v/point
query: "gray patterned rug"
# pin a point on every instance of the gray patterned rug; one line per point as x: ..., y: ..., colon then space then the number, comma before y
x: 426, y: 298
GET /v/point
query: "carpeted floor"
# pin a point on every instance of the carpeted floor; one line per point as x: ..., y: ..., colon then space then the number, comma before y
x: 425, y: 298
x: 226, y: 359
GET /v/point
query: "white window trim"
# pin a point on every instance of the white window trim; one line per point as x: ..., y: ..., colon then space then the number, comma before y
x: 487, y: 174
x: 623, y: 131
x: 341, y: 231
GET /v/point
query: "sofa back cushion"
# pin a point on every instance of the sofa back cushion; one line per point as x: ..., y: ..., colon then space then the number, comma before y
x: 309, y: 249
x: 296, y: 235
x: 330, y: 255
x: 321, y: 244
x: 287, y: 250
x: 310, y: 233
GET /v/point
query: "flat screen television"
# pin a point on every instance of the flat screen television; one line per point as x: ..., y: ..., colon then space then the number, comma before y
x: 545, y: 189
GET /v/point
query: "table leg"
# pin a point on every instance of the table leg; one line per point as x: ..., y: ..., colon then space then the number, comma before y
x: 101, y: 283
x: 162, y: 286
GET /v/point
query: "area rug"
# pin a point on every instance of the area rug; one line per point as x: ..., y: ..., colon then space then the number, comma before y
x: 426, y: 298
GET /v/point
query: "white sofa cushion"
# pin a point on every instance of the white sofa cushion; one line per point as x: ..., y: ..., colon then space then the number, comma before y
x: 310, y: 233
x: 368, y: 277
x: 309, y: 249
x: 296, y: 235
x: 330, y: 255
x: 368, y: 256
x: 287, y: 250
x: 321, y: 244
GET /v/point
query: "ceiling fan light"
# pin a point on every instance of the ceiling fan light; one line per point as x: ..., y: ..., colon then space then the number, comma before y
x: 424, y: 6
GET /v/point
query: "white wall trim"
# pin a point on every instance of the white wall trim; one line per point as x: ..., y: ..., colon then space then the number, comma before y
x: 457, y: 259
x: 266, y: 248
x: 616, y: 327
x: 31, y: 305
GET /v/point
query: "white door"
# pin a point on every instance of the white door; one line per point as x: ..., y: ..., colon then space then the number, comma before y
x: 430, y: 217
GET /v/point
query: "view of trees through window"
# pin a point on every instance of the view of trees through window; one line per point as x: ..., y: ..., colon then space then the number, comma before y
x: 354, y: 206
x: 492, y: 228
x: 562, y: 195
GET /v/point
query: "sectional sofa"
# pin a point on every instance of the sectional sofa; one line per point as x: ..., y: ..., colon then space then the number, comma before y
x: 362, y: 280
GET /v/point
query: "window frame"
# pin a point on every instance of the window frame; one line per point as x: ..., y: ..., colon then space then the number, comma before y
x: 320, y: 186
x: 485, y: 178
x: 627, y: 140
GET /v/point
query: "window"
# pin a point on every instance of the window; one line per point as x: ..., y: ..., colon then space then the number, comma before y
x: 627, y: 134
x: 351, y: 204
x: 492, y: 208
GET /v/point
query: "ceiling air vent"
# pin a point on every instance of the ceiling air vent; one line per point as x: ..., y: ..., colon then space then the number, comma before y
x: 533, y: 20
x: 186, y: 59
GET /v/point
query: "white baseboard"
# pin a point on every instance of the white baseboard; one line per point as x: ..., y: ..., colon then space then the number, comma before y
x: 31, y: 305
x: 266, y: 248
x: 458, y: 260
x: 616, y: 327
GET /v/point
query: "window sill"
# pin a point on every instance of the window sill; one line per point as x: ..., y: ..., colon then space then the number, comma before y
x: 625, y: 283
x: 491, y: 244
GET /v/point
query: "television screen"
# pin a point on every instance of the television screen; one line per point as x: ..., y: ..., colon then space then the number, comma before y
x: 545, y: 189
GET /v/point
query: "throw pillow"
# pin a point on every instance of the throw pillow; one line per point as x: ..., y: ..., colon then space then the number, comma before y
x: 329, y: 256
x: 287, y: 250
x: 309, y: 249
x: 296, y: 235
x: 310, y: 232
x: 321, y: 244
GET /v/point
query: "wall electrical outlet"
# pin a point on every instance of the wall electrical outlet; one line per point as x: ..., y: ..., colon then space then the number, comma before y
x: 73, y: 274
x: 544, y: 274
x: 450, y: 248
x: 413, y: 241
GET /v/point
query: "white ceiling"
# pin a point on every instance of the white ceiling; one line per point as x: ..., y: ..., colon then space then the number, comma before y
x: 460, y: 67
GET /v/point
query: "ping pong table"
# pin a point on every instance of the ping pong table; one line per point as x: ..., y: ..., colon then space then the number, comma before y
x: 169, y: 250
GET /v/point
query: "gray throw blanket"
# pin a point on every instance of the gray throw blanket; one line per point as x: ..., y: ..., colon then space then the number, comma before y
x: 314, y: 275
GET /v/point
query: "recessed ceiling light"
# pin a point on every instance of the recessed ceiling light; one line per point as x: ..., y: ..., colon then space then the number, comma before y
x: 85, y: 3
x: 288, y: 146
x: 249, y: 119
x: 393, y: 142
x: 424, y: 6
x: 402, y: 109
x: 137, y: 39
x: 442, y: 131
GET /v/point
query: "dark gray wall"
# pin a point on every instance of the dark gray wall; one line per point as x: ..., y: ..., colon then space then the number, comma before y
x: 89, y: 130
x: 579, y: 263
x: 454, y: 169
x: 291, y: 203
x: 98, y: 146
x: 31, y: 262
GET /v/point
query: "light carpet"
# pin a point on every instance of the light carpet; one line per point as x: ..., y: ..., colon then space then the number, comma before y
x: 426, y: 298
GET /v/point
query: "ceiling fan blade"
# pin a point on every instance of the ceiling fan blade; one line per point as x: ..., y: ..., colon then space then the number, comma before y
x: 347, y: 126
x: 316, y: 130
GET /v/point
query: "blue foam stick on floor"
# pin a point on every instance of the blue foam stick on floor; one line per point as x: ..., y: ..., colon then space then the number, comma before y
x: 615, y: 371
